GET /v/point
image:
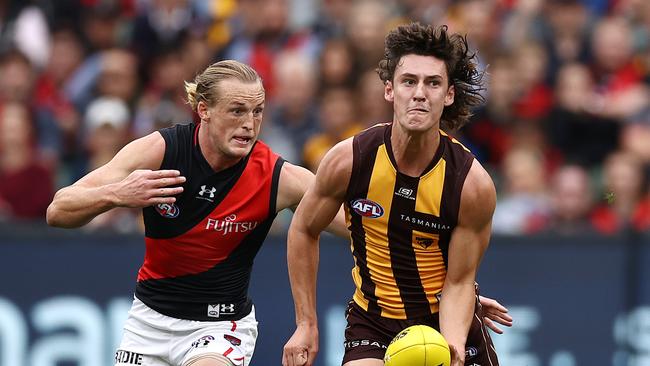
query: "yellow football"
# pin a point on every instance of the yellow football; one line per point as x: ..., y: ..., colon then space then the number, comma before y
x: 418, y: 345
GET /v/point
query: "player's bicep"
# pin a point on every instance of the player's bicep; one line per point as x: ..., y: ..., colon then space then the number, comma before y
x: 144, y: 153
x: 294, y: 182
x: 472, y: 234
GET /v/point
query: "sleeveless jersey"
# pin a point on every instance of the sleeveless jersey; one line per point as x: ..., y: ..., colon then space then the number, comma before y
x: 200, y: 250
x: 401, y: 225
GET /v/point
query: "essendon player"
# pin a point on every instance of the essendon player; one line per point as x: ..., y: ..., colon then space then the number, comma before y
x: 209, y: 193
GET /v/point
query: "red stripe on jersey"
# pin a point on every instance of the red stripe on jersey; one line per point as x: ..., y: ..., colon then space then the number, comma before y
x: 228, y: 351
x: 212, y: 240
x: 234, y: 326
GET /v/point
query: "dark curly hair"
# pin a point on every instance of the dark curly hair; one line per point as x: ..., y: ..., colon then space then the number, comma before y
x: 462, y: 70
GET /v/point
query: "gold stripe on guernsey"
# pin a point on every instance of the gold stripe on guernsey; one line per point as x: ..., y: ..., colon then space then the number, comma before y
x: 382, y: 183
x: 428, y: 256
x: 429, y: 193
x: 454, y: 140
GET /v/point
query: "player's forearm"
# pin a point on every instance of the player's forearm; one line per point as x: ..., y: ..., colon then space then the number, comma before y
x: 456, y: 313
x: 75, y: 206
x: 302, y: 259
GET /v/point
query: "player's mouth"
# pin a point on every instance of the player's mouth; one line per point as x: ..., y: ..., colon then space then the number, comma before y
x: 243, y: 140
x: 417, y: 110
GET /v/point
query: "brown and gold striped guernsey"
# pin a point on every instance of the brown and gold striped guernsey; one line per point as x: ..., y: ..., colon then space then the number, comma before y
x: 401, y: 225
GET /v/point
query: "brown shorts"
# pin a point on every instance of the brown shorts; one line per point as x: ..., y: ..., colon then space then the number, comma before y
x: 368, y: 335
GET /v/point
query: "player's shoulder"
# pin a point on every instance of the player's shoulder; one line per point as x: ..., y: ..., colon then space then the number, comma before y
x: 479, y: 183
x: 374, y: 133
x: 478, y: 198
x: 339, y: 156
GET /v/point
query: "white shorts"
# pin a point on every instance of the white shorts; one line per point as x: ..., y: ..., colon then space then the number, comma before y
x: 153, y: 339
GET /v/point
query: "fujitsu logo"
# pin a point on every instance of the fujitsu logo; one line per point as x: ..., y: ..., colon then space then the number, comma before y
x: 230, y: 225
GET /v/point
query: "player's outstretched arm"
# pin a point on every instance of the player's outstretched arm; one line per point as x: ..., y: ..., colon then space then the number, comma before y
x: 493, y: 312
x: 316, y: 210
x: 128, y: 180
x: 469, y: 241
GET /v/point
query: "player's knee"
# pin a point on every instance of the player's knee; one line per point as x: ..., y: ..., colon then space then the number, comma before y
x: 209, y: 359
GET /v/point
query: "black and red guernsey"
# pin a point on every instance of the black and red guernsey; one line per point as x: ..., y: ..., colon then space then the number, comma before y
x: 200, y: 250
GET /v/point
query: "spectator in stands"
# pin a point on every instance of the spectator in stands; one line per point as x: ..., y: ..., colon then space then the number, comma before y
x: 488, y: 134
x: 635, y: 139
x: 293, y: 112
x: 621, y: 93
x: 625, y: 204
x: 113, y: 72
x: 523, y: 192
x: 366, y: 23
x: 101, y: 23
x: 338, y: 121
x: 331, y: 20
x: 476, y: 18
x: 118, y: 76
x: 265, y: 35
x: 571, y: 201
x: 160, y: 25
x: 165, y: 87
x: 372, y: 106
x: 58, y: 121
x: 536, y: 97
x: 17, y: 78
x: 26, y: 185
x: 337, y: 64
x: 572, y: 127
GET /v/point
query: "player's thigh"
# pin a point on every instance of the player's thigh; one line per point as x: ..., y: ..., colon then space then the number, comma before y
x: 365, y: 362
x: 213, y: 349
x: 209, y: 360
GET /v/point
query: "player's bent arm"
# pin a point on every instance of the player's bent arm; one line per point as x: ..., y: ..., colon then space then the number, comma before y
x: 294, y: 181
x: 318, y: 207
x: 468, y: 243
x: 316, y: 210
x: 128, y: 180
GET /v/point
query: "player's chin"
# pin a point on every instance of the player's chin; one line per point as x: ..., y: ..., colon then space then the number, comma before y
x: 418, y: 122
x: 240, y: 151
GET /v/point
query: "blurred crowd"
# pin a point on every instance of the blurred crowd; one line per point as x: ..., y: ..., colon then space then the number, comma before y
x: 565, y: 131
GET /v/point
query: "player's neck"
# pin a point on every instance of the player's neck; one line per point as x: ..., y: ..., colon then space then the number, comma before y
x: 217, y: 160
x: 413, y: 151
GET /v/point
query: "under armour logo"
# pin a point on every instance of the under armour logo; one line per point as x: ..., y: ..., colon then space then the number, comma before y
x: 210, y: 191
x: 216, y: 310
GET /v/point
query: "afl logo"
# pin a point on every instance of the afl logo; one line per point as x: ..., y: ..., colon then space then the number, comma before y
x: 367, y: 208
x: 167, y: 210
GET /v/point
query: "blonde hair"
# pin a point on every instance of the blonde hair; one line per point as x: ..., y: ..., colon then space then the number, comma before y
x: 205, y: 85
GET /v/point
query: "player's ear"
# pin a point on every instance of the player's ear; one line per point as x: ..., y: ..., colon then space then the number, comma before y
x: 388, y: 91
x: 203, y: 111
x: 449, y: 98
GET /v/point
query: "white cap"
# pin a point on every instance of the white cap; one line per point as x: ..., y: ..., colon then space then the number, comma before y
x: 107, y: 111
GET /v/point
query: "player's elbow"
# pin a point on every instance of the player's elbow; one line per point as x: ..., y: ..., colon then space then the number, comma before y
x: 55, y: 217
